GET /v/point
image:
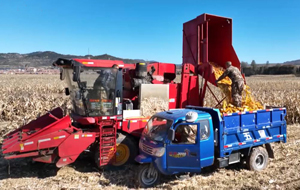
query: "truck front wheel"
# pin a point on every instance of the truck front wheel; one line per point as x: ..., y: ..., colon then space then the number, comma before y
x: 148, y: 176
x: 258, y: 159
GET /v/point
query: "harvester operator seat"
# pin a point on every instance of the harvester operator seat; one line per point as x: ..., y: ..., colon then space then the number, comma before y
x: 104, y: 82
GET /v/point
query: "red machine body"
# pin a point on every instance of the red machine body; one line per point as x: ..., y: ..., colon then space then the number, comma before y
x: 53, y: 138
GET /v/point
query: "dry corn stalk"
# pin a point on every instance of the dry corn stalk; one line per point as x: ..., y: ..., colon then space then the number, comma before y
x: 150, y: 106
x: 248, y: 102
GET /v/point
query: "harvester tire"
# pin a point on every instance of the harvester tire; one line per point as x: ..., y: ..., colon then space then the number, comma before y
x: 258, y: 159
x: 127, y: 150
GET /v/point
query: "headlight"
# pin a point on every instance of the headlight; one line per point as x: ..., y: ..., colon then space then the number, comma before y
x: 159, y: 152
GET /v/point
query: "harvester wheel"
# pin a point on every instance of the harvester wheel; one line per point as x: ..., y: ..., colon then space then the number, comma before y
x: 258, y: 159
x: 127, y: 150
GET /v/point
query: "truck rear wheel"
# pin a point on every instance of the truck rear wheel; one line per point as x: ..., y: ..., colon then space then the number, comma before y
x: 127, y: 150
x: 148, y: 176
x: 258, y: 159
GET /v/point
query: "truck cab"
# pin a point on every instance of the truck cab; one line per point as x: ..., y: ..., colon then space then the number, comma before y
x: 172, y: 135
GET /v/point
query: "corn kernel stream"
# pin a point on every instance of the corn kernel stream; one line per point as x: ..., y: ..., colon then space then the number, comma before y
x: 248, y: 102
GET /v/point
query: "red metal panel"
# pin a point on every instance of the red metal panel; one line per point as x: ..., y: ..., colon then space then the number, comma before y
x: 185, y: 78
x: 39, y: 123
x: 134, y: 126
x: 220, y: 47
x: 207, y: 38
x: 30, y: 154
x: 45, y: 159
x: 65, y: 161
x: 37, y: 143
x: 75, y: 144
x: 215, y: 45
x: 49, y: 136
x: 103, y: 63
x: 173, y: 95
x: 162, y: 68
x: 193, y: 93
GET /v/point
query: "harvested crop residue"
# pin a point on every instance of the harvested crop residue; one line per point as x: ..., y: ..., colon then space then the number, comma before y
x: 282, y: 173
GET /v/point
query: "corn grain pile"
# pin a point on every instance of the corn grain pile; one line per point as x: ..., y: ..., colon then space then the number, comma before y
x: 248, y: 102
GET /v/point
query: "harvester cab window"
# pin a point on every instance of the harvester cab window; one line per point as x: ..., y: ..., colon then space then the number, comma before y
x: 94, y: 95
x: 185, y: 134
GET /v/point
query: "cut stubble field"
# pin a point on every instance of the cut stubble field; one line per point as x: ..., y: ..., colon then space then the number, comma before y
x: 24, y: 97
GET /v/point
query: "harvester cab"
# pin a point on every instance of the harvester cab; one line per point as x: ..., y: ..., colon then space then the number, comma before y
x: 95, y: 87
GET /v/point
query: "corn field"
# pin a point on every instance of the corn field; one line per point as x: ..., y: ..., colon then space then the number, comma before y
x: 25, y: 97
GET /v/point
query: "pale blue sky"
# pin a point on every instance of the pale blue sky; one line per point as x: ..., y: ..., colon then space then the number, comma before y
x: 148, y: 29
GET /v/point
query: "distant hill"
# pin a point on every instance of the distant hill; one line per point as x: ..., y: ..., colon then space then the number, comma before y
x: 295, y: 62
x: 45, y: 58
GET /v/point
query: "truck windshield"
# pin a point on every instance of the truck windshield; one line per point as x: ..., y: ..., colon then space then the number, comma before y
x: 157, y: 128
x: 95, y: 94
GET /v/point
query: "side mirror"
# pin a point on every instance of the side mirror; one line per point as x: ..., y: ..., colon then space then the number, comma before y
x: 62, y: 74
x: 83, y: 84
x: 171, y: 134
x: 77, y: 95
x: 67, y: 91
x: 76, y: 73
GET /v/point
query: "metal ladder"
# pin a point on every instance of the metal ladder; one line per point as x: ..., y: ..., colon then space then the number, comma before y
x: 107, y: 144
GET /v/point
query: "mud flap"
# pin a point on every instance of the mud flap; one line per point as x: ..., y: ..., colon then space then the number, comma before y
x: 67, y: 160
x: 269, y: 150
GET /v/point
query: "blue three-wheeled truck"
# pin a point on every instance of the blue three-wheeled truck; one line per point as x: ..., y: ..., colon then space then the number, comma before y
x: 187, y: 140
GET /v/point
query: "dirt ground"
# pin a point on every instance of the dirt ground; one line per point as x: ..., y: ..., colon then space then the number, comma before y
x: 282, y: 173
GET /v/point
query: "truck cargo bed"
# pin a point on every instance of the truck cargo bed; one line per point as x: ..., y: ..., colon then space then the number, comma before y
x: 242, y: 130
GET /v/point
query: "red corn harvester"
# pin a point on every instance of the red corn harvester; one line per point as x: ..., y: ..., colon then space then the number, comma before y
x: 106, y: 117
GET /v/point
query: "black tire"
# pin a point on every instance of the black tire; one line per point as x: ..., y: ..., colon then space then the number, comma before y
x: 144, y: 181
x: 258, y: 159
x: 96, y: 155
x: 128, y: 144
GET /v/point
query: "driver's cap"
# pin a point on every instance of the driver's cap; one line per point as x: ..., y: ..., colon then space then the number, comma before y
x: 191, y: 116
